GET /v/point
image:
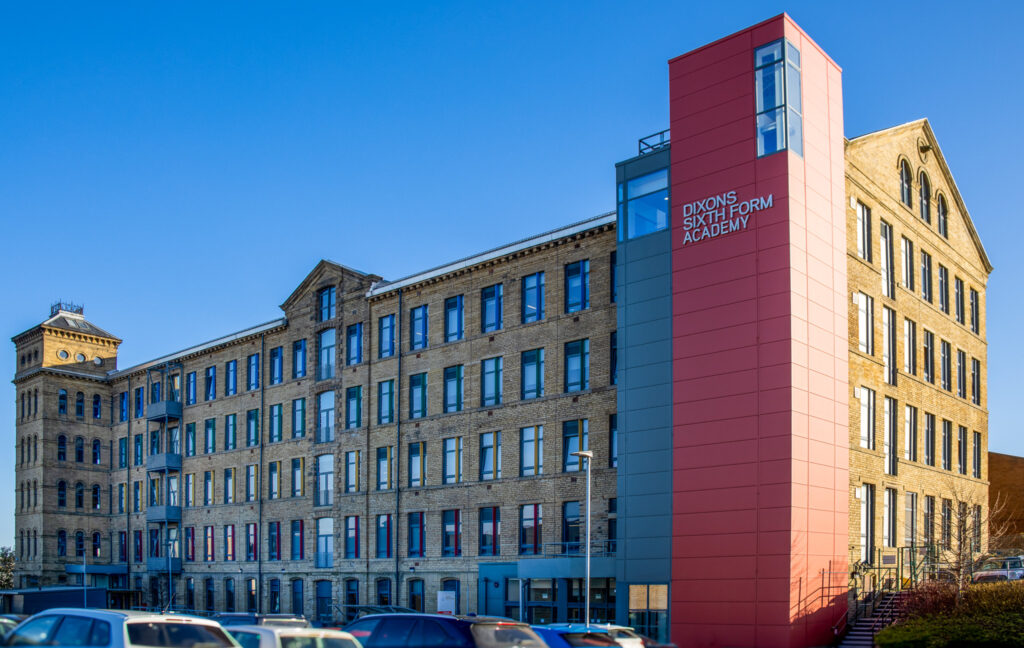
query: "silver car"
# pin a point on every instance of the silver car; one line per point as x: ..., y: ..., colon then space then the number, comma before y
x: 290, y: 637
x: 1000, y: 569
x: 118, y: 629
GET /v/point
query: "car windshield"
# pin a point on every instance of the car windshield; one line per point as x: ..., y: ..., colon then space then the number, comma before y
x: 503, y: 635
x: 179, y: 635
x: 588, y: 639
x: 316, y: 642
x: 993, y: 565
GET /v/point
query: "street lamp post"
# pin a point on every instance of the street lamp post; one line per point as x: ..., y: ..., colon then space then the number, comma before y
x: 589, y: 456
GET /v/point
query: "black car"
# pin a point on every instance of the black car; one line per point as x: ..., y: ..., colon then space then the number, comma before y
x: 241, y: 618
x: 436, y: 630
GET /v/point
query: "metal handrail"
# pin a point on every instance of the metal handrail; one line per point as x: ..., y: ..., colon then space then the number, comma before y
x: 654, y: 142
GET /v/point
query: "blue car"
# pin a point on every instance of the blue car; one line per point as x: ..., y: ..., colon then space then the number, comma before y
x: 575, y: 636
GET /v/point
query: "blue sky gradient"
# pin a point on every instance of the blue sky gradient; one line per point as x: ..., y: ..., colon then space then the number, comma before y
x: 180, y: 167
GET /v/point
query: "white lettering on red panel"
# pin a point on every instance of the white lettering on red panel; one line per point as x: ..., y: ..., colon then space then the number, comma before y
x: 720, y: 214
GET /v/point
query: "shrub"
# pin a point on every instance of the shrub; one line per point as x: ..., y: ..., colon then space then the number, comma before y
x: 938, y: 631
x: 930, y: 598
x: 933, y: 598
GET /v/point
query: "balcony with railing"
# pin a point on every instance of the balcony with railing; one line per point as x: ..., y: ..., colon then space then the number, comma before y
x: 600, y: 549
x: 163, y: 564
x: 163, y: 462
x: 163, y: 513
x: 163, y: 409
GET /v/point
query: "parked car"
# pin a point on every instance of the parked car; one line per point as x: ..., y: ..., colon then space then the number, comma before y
x: 624, y: 636
x: 117, y: 629
x: 6, y: 625
x: 273, y: 636
x: 420, y: 630
x: 241, y: 618
x: 574, y: 636
x: 1000, y: 569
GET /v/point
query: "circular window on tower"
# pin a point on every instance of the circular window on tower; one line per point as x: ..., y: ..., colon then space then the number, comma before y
x: 62, y: 354
x: 79, y: 357
x: 98, y: 361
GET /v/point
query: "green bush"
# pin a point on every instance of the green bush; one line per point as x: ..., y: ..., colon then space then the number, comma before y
x: 934, y: 598
x: 939, y: 631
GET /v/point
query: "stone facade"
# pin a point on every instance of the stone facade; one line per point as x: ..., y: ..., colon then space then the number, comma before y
x: 873, y: 180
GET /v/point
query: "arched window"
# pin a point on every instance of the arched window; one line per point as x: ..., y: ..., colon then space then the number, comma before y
x: 62, y: 448
x: 79, y: 544
x: 35, y: 402
x: 229, y: 594
x: 79, y: 495
x: 96, y: 497
x: 453, y: 585
x: 96, y: 542
x: 383, y: 591
x: 62, y: 543
x: 208, y: 595
x: 416, y: 594
x: 96, y: 408
x: 926, y: 198
x: 905, y: 181
x: 35, y: 449
x: 275, y: 596
x: 62, y: 493
x: 35, y: 493
x: 62, y: 402
x: 351, y: 598
x: 96, y: 451
x: 80, y: 405
x: 943, y: 215
x: 79, y: 449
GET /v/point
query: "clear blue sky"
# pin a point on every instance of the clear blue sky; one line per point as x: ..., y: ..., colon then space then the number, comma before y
x: 180, y: 167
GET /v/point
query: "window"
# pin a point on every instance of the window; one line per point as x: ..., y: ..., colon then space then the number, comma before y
x: 643, y: 207
x: 454, y: 319
x: 867, y: 523
x: 80, y: 405
x: 574, y: 439
x: 353, y: 407
x: 943, y: 215
x: 530, y: 529
x: 138, y: 450
x: 577, y: 286
x: 961, y: 374
x: 62, y: 448
x: 325, y: 542
x: 946, y: 376
x: 386, y: 336
x: 416, y: 536
x: 490, y: 531
x: 97, y: 407
x: 352, y: 468
x: 418, y: 395
x: 275, y: 423
x: 251, y: 482
x: 929, y: 520
x: 613, y: 357
x: 325, y: 304
x: 908, y: 264
x: 926, y: 198
x: 325, y: 359
x: 62, y: 402
x: 451, y: 460
x: 453, y: 389
x: 299, y: 359
x: 352, y: 536
x: 778, y: 124
x: 354, y: 344
x: 211, y: 384
x: 613, y: 440
x: 531, y: 451
x: 384, y: 536
x: 910, y: 433
x: 252, y: 427
x: 867, y: 418
x: 275, y: 595
x: 947, y: 445
x: 229, y: 485
x: 276, y: 365
x: 976, y: 458
x: 383, y: 591
x: 491, y: 308
x: 298, y: 483
x: 490, y: 456
x: 297, y: 596
x: 418, y: 327
x: 958, y: 299
x: 943, y: 289
x: 929, y: 439
x: 208, y: 547
x: 451, y: 533
x: 122, y: 496
x: 274, y: 480
x: 889, y: 518
x: 889, y: 344
x: 577, y: 365
x: 62, y: 494
x: 906, y: 193
x: 890, y: 442
x: 910, y: 347
x: 324, y: 480
x: 929, y: 356
x: 79, y: 449
x: 123, y: 399
x: 298, y: 418
x: 231, y: 378
x: 417, y: 464
x: 532, y: 374
x: 190, y: 490
x: 533, y: 297
x: 190, y: 439
x: 926, y: 276
x: 325, y: 417
x: 885, y: 248
x: 947, y: 524
x: 910, y: 521
x: 571, y: 527
x: 210, y: 436
x: 385, y: 402
x: 298, y: 548
x: 207, y: 488
x: 490, y: 381
x: 975, y: 321
x: 229, y: 542
x: 385, y: 467
x: 975, y: 381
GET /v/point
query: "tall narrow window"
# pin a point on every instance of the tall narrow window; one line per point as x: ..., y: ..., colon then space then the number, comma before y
x: 418, y: 327
x: 906, y: 180
x: 867, y: 523
x: 891, y: 440
x: 908, y: 260
x: 418, y: 395
x: 944, y: 289
x: 976, y: 457
x: 910, y: 433
x: 325, y: 304
x: 352, y: 536
x: 451, y: 533
x: 926, y: 276
x: 531, y: 451
x: 530, y: 529
x: 451, y: 460
x: 961, y: 373
x: 325, y: 359
x: 417, y: 464
x: 929, y: 520
x: 577, y: 286
x: 353, y: 407
x: 453, y: 389
x: 975, y: 381
x: 577, y: 365
x: 299, y: 359
x: 384, y: 543
x: 865, y: 323
x: 385, y: 467
x: 491, y: 302
x: 863, y: 232
x: 975, y: 321
x: 886, y: 255
x: 354, y: 344
x: 867, y: 418
x: 532, y: 374
x: 889, y: 518
x: 386, y: 336
x: 490, y: 456
x: 385, y: 402
x: 574, y: 439
x: 643, y: 208
x: 352, y: 470
x: 910, y: 521
x: 490, y: 531
x: 942, y: 212
x: 961, y: 454
x: 252, y: 373
x: 889, y: 344
x: 926, y: 198
x: 298, y: 418
x: 276, y: 365
x: 958, y: 299
x: 533, y: 297
x: 275, y: 423
x: 298, y: 483
x: 454, y: 319
x: 928, y: 349
x: 929, y: 439
x: 490, y: 381
x: 417, y: 543
x: 252, y: 428
x: 778, y: 124
x: 910, y: 347
x: 324, y: 480
x: 946, y: 367
x: 947, y: 445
